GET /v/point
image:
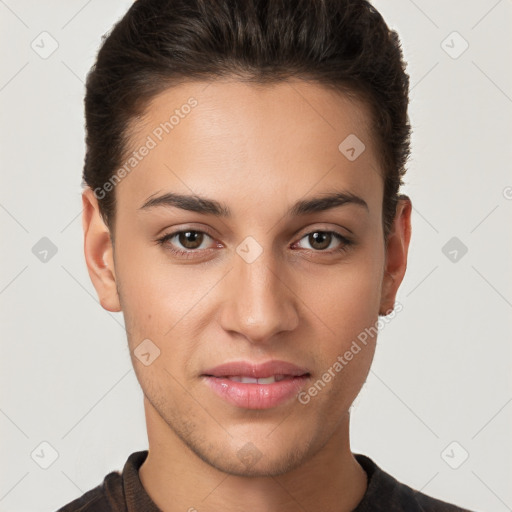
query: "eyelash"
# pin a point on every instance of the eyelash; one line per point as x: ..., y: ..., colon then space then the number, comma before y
x: 345, y: 245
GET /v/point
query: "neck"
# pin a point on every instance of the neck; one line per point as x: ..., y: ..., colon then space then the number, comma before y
x: 176, y: 479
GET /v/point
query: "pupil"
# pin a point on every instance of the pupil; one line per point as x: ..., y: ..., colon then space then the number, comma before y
x: 322, y: 237
x: 190, y: 237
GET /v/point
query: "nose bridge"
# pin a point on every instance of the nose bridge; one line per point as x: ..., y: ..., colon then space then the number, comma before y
x: 260, y: 304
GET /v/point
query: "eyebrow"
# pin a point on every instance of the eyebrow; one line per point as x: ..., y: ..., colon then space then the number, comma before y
x: 205, y: 206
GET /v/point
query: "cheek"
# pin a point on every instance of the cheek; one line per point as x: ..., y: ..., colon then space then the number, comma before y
x: 349, y: 308
x: 345, y: 305
x: 346, y: 298
x: 155, y: 294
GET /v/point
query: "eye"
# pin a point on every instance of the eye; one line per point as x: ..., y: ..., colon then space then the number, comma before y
x: 191, y: 240
x: 319, y: 241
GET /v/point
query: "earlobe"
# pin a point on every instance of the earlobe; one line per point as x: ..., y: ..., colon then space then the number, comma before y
x: 98, y: 253
x: 396, y: 255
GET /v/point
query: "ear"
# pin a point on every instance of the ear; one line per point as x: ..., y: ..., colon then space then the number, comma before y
x: 99, y: 253
x: 396, y: 255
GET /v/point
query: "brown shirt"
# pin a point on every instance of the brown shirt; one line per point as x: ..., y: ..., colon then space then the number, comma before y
x: 124, y: 493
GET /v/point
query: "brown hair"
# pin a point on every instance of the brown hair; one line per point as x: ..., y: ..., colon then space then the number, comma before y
x: 342, y: 44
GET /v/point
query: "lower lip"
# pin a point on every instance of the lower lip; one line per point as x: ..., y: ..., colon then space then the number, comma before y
x: 256, y: 396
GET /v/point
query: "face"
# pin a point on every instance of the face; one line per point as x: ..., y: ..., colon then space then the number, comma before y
x: 261, y: 270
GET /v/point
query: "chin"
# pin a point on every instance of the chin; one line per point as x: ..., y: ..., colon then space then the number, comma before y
x: 262, y: 466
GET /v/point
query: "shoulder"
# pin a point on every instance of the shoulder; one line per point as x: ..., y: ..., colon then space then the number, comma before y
x: 106, y: 497
x: 385, y: 493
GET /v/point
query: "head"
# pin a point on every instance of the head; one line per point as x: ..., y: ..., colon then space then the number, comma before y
x: 253, y: 108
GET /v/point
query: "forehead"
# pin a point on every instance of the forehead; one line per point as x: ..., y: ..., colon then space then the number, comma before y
x: 240, y: 139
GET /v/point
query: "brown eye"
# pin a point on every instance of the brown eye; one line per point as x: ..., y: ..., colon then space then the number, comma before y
x: 185, y: 243
x: 190, y: 239
x: 320, y: 239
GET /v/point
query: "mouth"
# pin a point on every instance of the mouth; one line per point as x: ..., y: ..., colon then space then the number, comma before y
x: 244, y: 379
x: 250, y: 386
x: 277, y: 370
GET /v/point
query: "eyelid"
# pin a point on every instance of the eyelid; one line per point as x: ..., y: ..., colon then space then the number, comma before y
x: 200, y: 228
x: 172, y: 234
x: 328, y: 229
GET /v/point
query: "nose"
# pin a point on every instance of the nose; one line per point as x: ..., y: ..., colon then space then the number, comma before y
x: 260, y: 302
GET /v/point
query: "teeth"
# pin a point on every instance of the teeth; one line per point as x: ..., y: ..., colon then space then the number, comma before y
x: 248, y: 380
x: 268, y: 380
x: 252, y: 380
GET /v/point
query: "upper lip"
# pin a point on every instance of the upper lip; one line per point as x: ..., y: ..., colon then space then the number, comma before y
x: 257, y: 371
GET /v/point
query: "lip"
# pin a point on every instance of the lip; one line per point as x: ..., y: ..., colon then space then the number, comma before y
x: 254, y: 395
x: 257, y: 371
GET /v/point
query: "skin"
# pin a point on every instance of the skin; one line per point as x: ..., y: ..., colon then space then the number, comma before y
x: 258, y: 150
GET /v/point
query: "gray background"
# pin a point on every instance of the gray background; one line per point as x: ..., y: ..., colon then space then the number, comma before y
x: 440, y: 387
